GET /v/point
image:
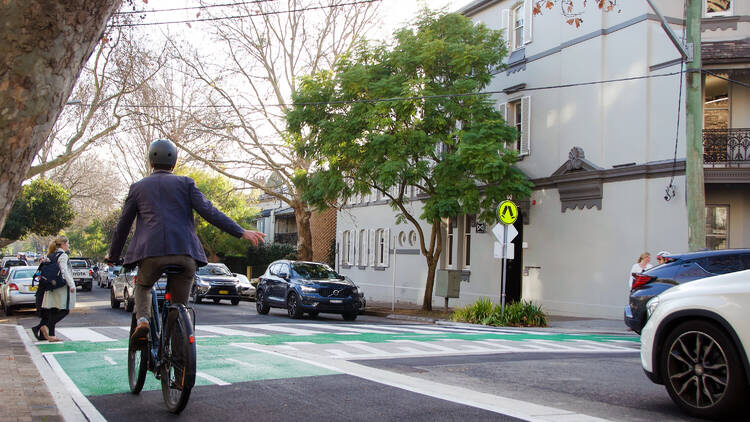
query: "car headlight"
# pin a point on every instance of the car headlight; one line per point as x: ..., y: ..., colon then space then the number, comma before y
x: 651, y: 306
x: 308, y: 289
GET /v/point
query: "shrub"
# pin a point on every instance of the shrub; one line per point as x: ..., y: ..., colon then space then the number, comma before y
x: 259, y: 257
x: 518, y: 314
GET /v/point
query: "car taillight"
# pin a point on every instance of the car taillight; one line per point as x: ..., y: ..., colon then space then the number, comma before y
x: 640, y: 280
x: 13, y: 286
x: 91, y: 273
x: 135, y: 278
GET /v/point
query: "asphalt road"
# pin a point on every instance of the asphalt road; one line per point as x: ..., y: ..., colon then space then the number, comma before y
x: 326, y: 369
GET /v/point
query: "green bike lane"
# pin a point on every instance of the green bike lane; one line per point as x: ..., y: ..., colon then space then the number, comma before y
x: 100, y: 368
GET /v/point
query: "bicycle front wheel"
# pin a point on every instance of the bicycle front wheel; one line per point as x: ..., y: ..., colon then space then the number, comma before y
x: 178, y: 363
x: 137, y: 362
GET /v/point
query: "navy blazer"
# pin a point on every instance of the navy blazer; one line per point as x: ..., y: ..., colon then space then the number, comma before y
x: 163, y: 203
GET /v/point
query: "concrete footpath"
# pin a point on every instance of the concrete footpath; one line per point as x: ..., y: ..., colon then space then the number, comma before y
x: 29, y: 391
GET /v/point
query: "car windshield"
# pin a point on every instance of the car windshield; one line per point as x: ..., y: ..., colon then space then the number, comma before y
x: 313, y: 271
x: 213, y: 270
x: 24, y: 273
x: 78, y: 264
x: 15, y: 264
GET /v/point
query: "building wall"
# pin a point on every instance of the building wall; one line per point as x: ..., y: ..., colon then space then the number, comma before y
x: 739, y: 210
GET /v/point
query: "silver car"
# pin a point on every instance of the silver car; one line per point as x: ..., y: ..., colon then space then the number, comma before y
x: 123, y: 289
x: 247, y: 290
x: 17, y: 289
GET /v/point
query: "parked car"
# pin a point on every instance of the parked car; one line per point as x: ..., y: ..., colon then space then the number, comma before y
x: 679, y: 268
x: 83, y: 273
x: 696, y: 343
x: 108, y: 275
x: 7, y: 263
x: 18, y: 289
x: 215, y: 281
x: 311, y: 287
x: 123, y: 289
x: 247, y: 290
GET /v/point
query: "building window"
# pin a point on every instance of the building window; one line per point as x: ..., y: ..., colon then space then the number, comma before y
x: 346, y: 247
x: 515, y: 118
x: 362, y: 252
x: 718, y: 7
x: 517, y: 22
x: 717, y: 227
x: 381, y: 251
x: 402, y: 239
x: 451, y: 240
x: 468, y: 224
x: 716, y: 102
x: 412, y: 238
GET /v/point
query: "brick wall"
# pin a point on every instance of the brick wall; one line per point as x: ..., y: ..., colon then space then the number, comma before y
x: 323, y: 227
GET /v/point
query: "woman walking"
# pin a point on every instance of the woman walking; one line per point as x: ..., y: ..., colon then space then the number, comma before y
x: 57, y: 303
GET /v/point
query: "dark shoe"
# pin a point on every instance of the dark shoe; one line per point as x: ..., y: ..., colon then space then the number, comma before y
x: 37, y: 334
x: 140, y: 334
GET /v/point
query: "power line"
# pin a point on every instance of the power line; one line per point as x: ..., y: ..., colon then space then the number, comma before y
x: 176, y: 9
x: 218, y: 18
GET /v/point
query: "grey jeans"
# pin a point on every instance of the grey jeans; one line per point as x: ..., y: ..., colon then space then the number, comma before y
x: 178, y: 285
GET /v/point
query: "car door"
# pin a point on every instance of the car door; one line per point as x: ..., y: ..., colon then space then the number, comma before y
x: 283, y: 278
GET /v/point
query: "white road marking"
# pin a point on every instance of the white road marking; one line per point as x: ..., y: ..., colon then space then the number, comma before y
x: 110, y: 360
x: 398, y: 328
x: 502, y: 405
x: 427, y: 345
x: 245, y: 364
x: 281, y: 329
x: 83, y: 334
x: 228, y: 331
x: 213, y: 379
x: 361, y: 345
x: 349, y: 329
x: 81, y: 401
x: 339, y: 353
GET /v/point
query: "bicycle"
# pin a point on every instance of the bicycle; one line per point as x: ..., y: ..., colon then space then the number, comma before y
x: 170, y: 350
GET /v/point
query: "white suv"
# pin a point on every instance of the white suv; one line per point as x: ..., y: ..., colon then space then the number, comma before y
x: 696, y: 343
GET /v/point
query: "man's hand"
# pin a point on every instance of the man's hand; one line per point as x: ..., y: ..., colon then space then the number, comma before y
x: 253, y: 236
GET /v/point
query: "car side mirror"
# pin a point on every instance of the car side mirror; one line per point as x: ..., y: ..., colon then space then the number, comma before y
x: 341, y: 277
x: 285, y: 276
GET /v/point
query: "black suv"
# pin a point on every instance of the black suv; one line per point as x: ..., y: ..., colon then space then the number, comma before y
x: 311, y: 287
x: 679, y: 268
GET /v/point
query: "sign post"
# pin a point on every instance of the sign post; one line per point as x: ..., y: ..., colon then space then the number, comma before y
x: 507, y: 212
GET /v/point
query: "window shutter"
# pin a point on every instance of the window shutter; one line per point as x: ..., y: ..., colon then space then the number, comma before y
x: 525, y: 126
x: 506, y: 27
x: 387, y: 258
x: 355, y: 247
x: 339, y: 248
x: 371, y: 249
x: 503, y: 109
x: 528, y: 18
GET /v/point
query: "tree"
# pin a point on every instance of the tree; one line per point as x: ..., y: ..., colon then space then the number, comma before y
x: 219, y: 190
x: 43, y: 207
x: 44, y: 44
x: 261, y: 59
x: 571, y: 9
x: 393, y: 119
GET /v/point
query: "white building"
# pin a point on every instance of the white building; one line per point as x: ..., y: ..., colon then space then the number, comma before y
x: 600, y: 155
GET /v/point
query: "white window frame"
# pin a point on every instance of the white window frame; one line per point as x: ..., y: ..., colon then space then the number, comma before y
x: 451, y: 247
x: 362, y: 252
x: 345, y: 240
x: 381, y: 248
x: 466, y: 250
x: 515, y: 12
x: 729, y: 12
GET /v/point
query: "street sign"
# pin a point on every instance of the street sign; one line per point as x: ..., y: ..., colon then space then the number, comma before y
x: 507, y: 252
x: 481, y: 228
x: 499, y: 232
x: 507, y: 212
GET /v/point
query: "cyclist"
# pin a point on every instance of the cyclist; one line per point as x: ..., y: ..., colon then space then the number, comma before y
x: 163, y: 205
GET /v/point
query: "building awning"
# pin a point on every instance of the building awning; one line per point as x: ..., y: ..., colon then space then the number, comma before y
x: 726, y: 52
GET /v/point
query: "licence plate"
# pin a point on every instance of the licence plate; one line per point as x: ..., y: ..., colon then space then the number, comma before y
x: 32, y: 288
x: 223, y: 292
x: 337, y: 301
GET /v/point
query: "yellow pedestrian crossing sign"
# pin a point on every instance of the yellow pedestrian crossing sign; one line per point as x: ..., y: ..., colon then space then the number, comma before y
x: 507, y: 212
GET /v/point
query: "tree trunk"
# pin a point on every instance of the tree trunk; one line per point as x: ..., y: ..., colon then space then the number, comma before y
x: 5, y: 242
x: 304, y: 234
x: 429, y: 283
x: 44, y: 45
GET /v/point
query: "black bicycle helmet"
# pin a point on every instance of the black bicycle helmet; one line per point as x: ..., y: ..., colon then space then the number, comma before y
x: 162, y: 153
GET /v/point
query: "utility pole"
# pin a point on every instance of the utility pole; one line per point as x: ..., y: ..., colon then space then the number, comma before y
x: 695, y: 189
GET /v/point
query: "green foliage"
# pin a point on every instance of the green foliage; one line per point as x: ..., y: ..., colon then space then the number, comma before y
x: 451, y: 146
x: 259, y: 257
x: 220, y: 191
x: 93, y: 241
x: 518, y: 314
x: 42, y: 207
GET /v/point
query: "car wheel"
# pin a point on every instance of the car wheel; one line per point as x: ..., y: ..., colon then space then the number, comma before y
x: 113, y: 302
x: 314, y: 314
x: 349, y: 317
x: 260, y: 305
x: 292, y: 306
x: 702, y: 370
x: 235, y: 302
x: 129, y: 304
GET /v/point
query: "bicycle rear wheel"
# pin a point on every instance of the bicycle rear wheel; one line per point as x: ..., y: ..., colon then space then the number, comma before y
x: 178, y: 360
x: 137, y: 362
